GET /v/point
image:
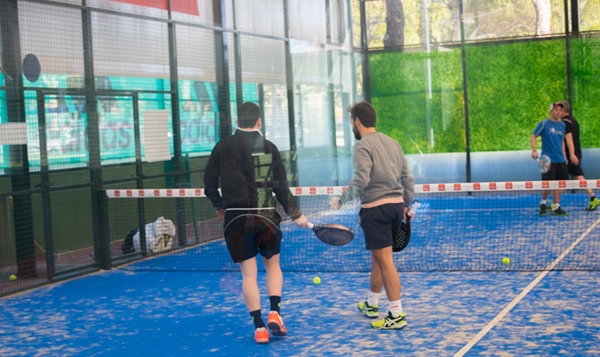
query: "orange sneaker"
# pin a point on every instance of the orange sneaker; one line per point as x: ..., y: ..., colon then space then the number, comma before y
x: 261, y: 335
x: 275, y: 324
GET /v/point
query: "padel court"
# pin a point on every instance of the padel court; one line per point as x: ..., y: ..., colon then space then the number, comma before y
x: 459, y: 297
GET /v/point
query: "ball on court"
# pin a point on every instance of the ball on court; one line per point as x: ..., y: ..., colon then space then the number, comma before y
x: 316, y: 280
x: 13, y: 277
x: 506, y: 260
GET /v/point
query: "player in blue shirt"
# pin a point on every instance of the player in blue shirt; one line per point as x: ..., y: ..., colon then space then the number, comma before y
x: 552, y: 131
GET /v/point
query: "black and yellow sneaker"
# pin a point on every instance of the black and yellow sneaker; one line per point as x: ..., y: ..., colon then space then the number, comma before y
x: 371, y: 312
x: 593, y: 204
x: 390, y: 323
x: 558, y: 211
x: 542, y: 210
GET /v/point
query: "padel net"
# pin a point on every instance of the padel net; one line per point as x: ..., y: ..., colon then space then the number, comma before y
x: 457, y: 227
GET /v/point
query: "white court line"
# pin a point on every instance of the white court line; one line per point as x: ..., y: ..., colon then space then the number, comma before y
x: 523, y: 293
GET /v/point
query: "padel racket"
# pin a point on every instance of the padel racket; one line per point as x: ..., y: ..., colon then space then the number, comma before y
x: 544, y: 163
x: 251, y: 223
x: 402, y: 238
x: 332, y: 234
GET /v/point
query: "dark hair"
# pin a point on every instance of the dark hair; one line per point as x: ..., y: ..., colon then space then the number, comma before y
x: 565, y: 105
x: 248, y: 114
x: 365, y: 112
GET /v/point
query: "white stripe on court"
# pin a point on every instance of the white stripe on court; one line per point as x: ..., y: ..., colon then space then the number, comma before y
x: 523, y: 293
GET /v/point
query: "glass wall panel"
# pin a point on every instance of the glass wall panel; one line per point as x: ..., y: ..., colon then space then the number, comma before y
x: 308, y: 20
x: 585, y: 70
x: 434, y: 23
x: 314, y: 131
x: 195, y: 11
x: 76, y: 2
x: 503, y: 77
x: 131, y: 53
x: 339, y: 25
x: 155, y: 8
x: 197, y: 88
x: 418, y: 97
x: 58, y: 45
x: 260, y: 16
x: 263, y: 63
x: 588, y: 15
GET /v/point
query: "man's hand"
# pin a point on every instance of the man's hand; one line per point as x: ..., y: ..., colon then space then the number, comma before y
x: 301, y: 221
x: 534, y: 154
x: 574, y: 160
x: 335, y: 203
x: 220, y: 213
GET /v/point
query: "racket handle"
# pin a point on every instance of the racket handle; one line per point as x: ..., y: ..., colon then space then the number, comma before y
x: 413, y: 208
x: 310, y: 225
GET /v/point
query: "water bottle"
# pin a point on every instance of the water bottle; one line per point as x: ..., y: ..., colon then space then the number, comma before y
x: 413, y: 208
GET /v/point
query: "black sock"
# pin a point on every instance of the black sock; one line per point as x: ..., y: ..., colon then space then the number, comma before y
x: 257, y: 319
x: 275, y: 302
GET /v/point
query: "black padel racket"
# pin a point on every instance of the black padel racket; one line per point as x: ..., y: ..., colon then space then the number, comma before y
x: 402, y: 239
x: 332, y: 234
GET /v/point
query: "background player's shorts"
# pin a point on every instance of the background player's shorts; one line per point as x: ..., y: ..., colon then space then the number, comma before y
x: 575, y: 170
x: 556, y: 172
x: 380, y: 224
x: 247, y: 235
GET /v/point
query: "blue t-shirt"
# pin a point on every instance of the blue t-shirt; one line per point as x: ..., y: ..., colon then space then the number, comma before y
x: 552, y: 134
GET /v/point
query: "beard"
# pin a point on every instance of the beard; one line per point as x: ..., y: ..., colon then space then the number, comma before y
x: 356, y: 133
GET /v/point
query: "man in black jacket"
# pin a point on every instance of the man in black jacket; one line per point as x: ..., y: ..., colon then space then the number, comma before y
x: 573, y: 150
x: 249, y: 169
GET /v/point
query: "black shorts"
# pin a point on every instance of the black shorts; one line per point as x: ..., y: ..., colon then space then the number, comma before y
x: 575, y: 170
x: 556, y: 172
x: 247, y: 235
x: 380, y: 224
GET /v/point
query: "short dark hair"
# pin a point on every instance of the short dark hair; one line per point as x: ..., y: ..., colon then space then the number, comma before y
x: 365, y: 112
x: 565, y: 105
x: 248, y: 114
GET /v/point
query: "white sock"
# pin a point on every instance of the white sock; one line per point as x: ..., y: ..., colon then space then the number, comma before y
x: 555, y: 206
x: 396, y: 308
x: 372, y: 298
x: 543, y: 202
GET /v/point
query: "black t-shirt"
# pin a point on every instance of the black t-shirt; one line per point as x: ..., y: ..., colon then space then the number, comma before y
x: 573, y: 128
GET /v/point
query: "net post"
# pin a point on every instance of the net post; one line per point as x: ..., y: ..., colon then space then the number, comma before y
x: 103, y: 247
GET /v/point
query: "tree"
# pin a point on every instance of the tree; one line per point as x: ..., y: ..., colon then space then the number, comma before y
x: 394, y: 20
x: 543, y: 18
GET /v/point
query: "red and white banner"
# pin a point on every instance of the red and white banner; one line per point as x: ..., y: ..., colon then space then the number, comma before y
x: 338, y: 190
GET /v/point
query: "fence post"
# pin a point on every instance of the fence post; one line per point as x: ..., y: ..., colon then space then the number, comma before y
x: 102, y: 246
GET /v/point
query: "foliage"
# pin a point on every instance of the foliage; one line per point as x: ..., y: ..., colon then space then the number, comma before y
x: 484, y: 19
x: 510, y: 87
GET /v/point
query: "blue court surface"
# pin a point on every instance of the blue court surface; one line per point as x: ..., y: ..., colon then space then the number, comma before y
x: 459, y: 299
x: 121, y: 313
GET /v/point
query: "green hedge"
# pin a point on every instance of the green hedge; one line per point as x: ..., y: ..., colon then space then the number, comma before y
x: 510, y: 88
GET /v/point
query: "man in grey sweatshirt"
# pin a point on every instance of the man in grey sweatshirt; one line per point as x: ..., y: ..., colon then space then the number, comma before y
x: 385, y: 184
